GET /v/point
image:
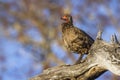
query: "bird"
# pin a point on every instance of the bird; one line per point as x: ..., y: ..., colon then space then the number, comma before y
x: 75, y: 39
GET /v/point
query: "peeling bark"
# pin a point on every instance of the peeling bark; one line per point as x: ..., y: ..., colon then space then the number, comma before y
x: 102, y: 56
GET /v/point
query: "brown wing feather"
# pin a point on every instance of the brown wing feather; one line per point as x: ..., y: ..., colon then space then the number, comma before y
x: 82, y: 42
x: 75, y: 39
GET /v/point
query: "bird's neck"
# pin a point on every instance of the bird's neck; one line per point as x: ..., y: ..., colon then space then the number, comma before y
x: 66, y: 26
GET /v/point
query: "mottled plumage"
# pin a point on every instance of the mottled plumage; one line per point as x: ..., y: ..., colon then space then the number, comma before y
x: 75, y: 39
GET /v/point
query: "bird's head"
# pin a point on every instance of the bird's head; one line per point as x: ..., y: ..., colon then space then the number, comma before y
x: 67, y: 18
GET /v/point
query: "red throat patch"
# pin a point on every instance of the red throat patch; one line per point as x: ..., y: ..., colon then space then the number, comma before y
x: 65, y: 19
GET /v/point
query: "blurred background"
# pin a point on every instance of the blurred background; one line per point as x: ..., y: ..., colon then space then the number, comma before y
x: 30, y: 33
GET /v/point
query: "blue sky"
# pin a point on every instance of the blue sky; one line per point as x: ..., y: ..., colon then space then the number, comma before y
x: 16, y: 62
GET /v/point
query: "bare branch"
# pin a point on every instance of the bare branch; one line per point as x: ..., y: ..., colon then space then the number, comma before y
x: 99, y: 35
x: 114, y: 39
x: 102, y: 56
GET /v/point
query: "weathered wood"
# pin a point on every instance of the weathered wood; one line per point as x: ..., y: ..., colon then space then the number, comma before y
x: 102, y: 56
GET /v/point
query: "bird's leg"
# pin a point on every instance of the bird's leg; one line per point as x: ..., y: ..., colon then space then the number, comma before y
x: 79, y: 59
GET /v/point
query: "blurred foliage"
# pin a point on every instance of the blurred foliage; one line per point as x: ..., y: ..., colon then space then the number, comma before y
x: 35, y: 24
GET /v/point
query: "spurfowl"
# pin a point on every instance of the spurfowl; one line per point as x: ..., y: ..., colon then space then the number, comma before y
x: 75, y: 39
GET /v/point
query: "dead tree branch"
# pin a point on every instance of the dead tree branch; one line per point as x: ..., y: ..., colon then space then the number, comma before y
x: 102, y: 56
